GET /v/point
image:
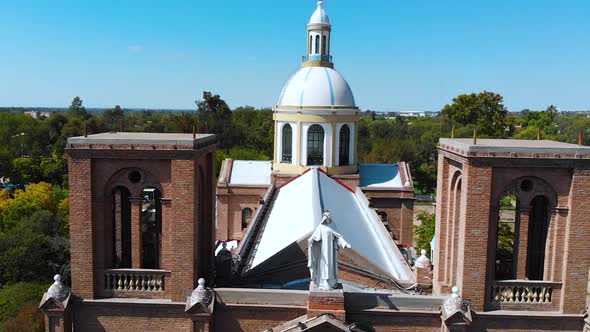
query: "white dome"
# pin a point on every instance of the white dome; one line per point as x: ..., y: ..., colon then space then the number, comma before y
x: 319, y: 16
x: 316, y: 86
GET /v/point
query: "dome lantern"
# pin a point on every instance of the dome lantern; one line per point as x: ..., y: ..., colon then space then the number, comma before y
x: 318, y: 39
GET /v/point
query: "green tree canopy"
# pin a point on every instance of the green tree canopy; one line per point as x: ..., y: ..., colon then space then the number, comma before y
x: 485, y: 110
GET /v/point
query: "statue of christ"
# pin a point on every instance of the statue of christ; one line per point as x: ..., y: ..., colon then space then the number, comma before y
x: 322, y: 247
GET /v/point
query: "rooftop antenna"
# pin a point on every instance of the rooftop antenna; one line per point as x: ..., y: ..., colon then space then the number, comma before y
x: 538, y: 134
x: 121, y: 125
x: 194, y: 132
x: 474, y: 136
x: 453, y: 132
x: 580, y: 137
x: 85, y: 129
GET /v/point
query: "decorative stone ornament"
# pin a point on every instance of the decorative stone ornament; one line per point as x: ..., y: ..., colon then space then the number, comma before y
x: 58, y: 290
x: 423, y: 262
x: 201, y: 294
x: 456, y: 312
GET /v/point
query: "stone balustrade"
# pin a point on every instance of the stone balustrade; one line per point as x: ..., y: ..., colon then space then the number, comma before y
x: 523, y: 291
x: 118, y: 281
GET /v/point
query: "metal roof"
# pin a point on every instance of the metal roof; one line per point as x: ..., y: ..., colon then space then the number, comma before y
x: 297, y: 211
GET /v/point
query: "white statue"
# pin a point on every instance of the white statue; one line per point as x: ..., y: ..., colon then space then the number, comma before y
x: 323, y: 246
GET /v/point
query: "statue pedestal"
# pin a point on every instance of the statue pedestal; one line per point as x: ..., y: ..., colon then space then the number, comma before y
x: 326, y: 302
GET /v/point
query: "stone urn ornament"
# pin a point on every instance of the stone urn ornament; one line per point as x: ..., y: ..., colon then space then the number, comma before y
x: 202, y: 294
x: 58, y: 290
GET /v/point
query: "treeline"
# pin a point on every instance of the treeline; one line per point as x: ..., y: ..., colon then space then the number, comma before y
x: 32, y: 150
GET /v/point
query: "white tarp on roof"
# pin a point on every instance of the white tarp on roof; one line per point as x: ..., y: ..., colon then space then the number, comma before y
x: 297, y: 212
x: 380, y: 176
x: 251, y: 172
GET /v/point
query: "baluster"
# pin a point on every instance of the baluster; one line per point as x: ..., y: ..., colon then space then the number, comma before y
x: 548, y: 294
x: 144, y: 283
x: 160, y: 283
x: 152, y: 283
x: 119, y: 281
x: 519, y: 295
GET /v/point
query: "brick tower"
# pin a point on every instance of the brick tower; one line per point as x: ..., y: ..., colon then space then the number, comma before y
x: 512, y: 224
x: 141, y: 214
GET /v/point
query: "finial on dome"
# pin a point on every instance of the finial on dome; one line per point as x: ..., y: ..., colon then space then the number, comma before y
x: 320, y: 3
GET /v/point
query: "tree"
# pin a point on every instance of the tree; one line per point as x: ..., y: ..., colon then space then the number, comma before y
x: 485, y: 110
x: 77, y: 110
x: 551, y: 112
x: 215, y: 117
x: 424, y: 233
x: 112, y: 118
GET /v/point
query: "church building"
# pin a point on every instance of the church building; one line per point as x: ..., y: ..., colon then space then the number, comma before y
x: 316, y: 126
x: 143, y: 229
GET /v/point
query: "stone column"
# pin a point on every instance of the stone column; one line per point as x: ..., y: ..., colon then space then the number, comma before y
x: 523, y: 241
x: 472, y: 253
x: 81, y: 226
x: 439, y: 258
x: 576, y: 257
x: 136, y: 246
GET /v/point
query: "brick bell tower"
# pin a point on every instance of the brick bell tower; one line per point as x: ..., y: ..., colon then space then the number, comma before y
x: 512, y: 224
x: 141, y: 214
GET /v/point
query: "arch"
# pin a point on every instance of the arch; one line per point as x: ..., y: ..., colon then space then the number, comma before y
x: 526, y: 188
x: 287, y: 144
x: 317, y: 44
x: 324, y: 45
x: 310, y: 45
x: 151, y: 228
x: 344, y: 153
x: 121, y: 178
x: 315, y: 145
x: 246, y: 217
x: 121, y: 227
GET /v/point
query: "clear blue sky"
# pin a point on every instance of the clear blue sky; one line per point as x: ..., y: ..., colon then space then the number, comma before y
x: 396, y: 55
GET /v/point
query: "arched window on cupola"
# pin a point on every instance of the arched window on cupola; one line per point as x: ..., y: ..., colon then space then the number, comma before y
x: 315, y: 145
x: 344, y: 154
x: 317, y: 44
x: 287, y: 143
x: 310, y: 45
x: 324, y: 45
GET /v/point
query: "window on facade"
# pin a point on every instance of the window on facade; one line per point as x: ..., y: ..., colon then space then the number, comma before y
x: 246, y: 217
x: 310, y: 44
x: 506, y: 249
x: 121, y: 211
x: 315, y: 145
x: 537, y: 237
x: 344, y: 154
x: 323, y: 45
x: 151, y: 228
x: 287, y: 144
x: 317, y: 44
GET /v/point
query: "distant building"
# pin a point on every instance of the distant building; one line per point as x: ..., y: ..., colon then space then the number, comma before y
x: 37, y: 114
